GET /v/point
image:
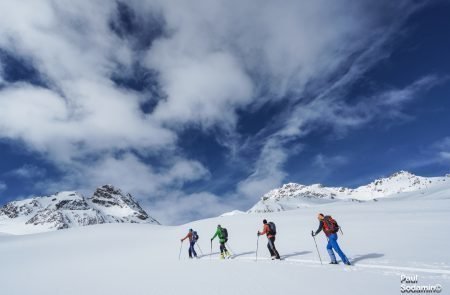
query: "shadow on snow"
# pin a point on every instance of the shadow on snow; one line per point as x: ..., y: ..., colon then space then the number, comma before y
x: 366, y: 257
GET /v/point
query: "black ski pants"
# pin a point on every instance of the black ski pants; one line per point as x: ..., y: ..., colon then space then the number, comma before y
x: 222, y: 247
x: 271, y: 246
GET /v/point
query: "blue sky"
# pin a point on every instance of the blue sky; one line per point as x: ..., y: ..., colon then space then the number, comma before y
x: 199, y: 108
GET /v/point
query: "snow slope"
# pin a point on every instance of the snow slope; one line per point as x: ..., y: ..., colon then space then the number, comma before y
x: 384, y: 239
x: 293, y: 195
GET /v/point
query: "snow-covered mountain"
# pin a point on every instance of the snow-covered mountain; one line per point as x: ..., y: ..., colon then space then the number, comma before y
x: 71, y: 209
x: 293, y: 195
x: 232, y: 213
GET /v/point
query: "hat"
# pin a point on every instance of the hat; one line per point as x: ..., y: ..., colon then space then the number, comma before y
x: 264, y: 221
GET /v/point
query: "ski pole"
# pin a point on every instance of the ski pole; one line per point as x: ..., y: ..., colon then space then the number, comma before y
x: 201, y: 252
x: 210, y: 253
x: 257, y: 244
x: 179, y: 255
x: 228, y: 246
x: 340, y: 228
x: 314, y: 238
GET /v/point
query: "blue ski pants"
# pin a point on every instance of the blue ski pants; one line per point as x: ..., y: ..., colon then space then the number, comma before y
x: 333, y: 245
x: 192, y: 250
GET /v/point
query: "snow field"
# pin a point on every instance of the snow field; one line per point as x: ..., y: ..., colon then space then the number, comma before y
x: 384, y: 240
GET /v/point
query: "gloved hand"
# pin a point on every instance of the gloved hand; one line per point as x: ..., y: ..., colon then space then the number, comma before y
x: 211, y: 240
x: 181, y: 240
x: 312, y: 234
x: 258, y: 234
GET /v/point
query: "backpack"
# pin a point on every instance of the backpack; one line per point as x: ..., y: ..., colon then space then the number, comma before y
x: 195, y: 236
x: 224, y: 233
x: 272, y: 228
x: 330, y: 225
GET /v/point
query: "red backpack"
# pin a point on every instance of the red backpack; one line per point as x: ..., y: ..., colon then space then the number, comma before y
x: 330, y: 225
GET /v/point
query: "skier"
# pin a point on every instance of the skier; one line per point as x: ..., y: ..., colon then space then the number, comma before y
x: 222, y: 234
x: 330, y: 228
x: 270, y: 230
x: 193, y: 237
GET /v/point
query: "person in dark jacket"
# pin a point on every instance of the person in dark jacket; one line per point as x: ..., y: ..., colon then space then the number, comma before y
x: 326, y: 224
x: 191, y: 235
x: 271, y: 237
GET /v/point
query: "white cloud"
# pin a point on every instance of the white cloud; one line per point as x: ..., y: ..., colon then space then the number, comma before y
x: 443, y: 144
x: 84, y: 112
x: 224, y: 55
x: 130, y: 173
x: 268, y: 172
x: 84, y: 117
x: 65, y: 42
x: 432, y: 153
x: 201, y: 90
x: 1, y: 73
x: 178, y: 207
x: 445, y: 155
x: 443, y: 149
x: 3, y: 186
x: 329, y: 162
x: 215, y: 58
x: 397, y: 97
x: 28, y: 172
x: 333, y: 112
x: 103, y: 119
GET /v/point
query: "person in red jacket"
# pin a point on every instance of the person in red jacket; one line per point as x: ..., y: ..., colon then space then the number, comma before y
x: 192, y: 236
x: 271, y: 237
x: 330, y: 228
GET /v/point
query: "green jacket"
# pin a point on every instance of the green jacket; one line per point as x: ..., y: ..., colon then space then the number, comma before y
x: 220, y: 235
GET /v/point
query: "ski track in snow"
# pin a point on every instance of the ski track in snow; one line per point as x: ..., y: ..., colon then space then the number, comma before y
x: 357, y: 266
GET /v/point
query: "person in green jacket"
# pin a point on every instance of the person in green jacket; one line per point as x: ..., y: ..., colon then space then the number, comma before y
x: 223, y: 238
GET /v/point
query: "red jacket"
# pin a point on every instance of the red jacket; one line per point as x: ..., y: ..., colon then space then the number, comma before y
x: 189, y: 235
x: 266, y: 230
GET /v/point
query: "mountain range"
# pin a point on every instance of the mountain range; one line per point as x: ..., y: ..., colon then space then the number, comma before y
x: 71, y: 209
x: 109, y: 204
x: 293, y: 195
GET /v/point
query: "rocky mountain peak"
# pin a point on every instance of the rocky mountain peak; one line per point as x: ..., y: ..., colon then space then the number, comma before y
x: 402, y: 173
x: 62, y: 210
x: 107, y: 195
x: 110, y: 198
